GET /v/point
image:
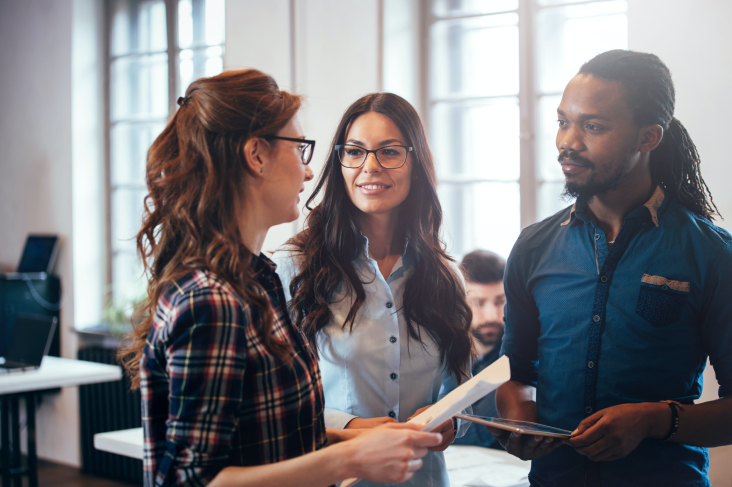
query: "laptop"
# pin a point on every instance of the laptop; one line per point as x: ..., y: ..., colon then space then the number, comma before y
x: 30, y: 342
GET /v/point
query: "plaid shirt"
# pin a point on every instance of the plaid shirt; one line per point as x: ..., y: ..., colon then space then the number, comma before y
x: 212, y: 396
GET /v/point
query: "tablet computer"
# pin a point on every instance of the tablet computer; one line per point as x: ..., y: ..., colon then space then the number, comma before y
x: 523, y: 427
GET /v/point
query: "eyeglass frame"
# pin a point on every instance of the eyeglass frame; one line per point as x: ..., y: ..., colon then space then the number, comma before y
x: 338, y: 148
x: 292, y: 139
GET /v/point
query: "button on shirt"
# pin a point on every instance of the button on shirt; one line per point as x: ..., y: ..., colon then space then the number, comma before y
x: 375, y: 370
x: 593, y: 327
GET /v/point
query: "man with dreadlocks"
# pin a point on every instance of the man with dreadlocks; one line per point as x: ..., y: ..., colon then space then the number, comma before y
x: 614, y: 304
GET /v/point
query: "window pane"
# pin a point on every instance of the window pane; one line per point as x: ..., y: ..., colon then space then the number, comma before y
x: 442, y: 8
x: 200, y: 23
x: 481, y: 215
x: 475, y: 57
x: 558, y: 2
x: 550, y: 199
x: 569, y: 36
x: 138, y: 27
x: 128, y: 283
x: 140, y: 87
x: 128, y: 147
x: 197, y: 63
x: 477, y: 139
x: 127, y: 204
x: 546, y: 147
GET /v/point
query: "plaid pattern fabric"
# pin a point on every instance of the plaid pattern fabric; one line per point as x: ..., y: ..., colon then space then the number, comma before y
x: 212, y: 396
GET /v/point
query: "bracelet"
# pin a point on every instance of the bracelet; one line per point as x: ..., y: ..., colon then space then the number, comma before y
x: 455, y: 427
x: 675, y: 406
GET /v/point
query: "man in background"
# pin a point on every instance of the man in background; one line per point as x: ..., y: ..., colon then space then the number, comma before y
x: 483, y: 271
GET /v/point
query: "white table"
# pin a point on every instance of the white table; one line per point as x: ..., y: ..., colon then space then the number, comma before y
x: 127, y: 443
x: 54, y: 372
x: 467, y: 466
x: 475, y: 466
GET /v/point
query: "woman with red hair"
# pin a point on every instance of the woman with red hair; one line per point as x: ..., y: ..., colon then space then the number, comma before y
x: 229, y: 386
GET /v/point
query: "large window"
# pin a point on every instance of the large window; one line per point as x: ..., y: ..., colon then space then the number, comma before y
x: 157, y: 47
x: 496, y: 72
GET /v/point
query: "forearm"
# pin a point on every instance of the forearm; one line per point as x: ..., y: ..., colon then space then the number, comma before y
x: 708, y: 424
x: 515, y: 400
x: 318, y: 469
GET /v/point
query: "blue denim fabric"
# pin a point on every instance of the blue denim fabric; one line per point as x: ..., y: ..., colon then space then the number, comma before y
x: 594, y: 326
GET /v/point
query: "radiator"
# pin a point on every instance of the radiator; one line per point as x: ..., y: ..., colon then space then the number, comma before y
x: 109, y: 406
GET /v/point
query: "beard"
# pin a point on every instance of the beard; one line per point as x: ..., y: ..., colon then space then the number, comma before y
x: 488, y: 334
x: 584, y: 192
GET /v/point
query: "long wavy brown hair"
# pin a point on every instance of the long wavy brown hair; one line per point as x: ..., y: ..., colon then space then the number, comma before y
x: 434, y: 297
x: 195, y: 174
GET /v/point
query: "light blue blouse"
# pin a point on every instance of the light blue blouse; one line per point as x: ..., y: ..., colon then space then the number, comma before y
x: 375, y: 370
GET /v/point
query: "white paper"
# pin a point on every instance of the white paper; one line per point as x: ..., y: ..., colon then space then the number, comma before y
x: 463, y: 396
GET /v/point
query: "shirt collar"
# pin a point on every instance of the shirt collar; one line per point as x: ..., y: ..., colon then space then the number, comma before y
x: 409, y: 254
x: 262, y: 265
x: 654, y: 207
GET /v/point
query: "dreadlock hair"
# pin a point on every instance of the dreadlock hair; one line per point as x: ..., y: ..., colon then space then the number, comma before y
x: 651, y: 96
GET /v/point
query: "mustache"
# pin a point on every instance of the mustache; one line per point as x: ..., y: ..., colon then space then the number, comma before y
x: 496, y: 324
x: 576, y: 158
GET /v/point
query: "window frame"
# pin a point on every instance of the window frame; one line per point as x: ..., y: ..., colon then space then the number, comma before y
x: 530, y: 180
x: 173, y: 51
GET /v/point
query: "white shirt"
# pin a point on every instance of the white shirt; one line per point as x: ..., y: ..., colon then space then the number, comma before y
x: 375, y: 370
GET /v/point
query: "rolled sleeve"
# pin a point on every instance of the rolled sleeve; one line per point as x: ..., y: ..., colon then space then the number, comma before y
x: 717, y: 328
x: 206, y: 359
x: 521, y: 335
x: 336, y: 419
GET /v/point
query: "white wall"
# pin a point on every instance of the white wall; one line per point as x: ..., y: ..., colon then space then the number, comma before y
x: 335, y: 61
x: 695, y: 42
x: 35, y: 173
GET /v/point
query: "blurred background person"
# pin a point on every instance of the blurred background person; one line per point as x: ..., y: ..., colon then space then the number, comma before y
x: 483, y: 272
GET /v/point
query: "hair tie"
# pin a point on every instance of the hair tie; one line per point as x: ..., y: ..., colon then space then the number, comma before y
x: 181, y: 101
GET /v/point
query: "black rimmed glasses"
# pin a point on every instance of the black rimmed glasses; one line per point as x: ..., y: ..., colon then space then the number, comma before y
x: 389, y: 157
x: 307, y: 146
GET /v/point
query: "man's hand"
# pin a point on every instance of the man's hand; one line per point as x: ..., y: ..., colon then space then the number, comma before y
x: 515, y: 400
x: 525, y: 447
x: 446, y: 429
x: 614, y: 432
x: 360, y: 423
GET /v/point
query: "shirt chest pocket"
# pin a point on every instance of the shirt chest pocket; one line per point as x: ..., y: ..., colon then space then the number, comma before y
x: 661, y: 300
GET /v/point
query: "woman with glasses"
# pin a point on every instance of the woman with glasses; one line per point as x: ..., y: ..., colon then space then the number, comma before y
x: 369, y: 280
x: 231, y: 393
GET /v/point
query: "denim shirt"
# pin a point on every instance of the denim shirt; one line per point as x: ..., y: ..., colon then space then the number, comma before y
x: 374, y: 370
x: 593, y: 326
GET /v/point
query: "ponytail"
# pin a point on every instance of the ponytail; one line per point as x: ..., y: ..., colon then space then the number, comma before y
x: 675, y: 165
x: 651, y: 96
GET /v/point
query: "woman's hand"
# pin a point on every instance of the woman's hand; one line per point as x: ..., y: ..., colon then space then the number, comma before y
x: 360, y: 423
x: 446, y: 429
x: 336, y: 435
x: 389, y: 453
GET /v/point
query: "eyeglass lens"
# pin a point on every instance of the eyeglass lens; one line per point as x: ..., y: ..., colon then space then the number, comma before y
x: 307, y: 152
x: 390, y: 157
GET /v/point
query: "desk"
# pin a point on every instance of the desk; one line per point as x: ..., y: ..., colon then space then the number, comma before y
x: 475, y: 466
x: 54, y: 372
x: 467, y: 466
x: 127, y: 443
